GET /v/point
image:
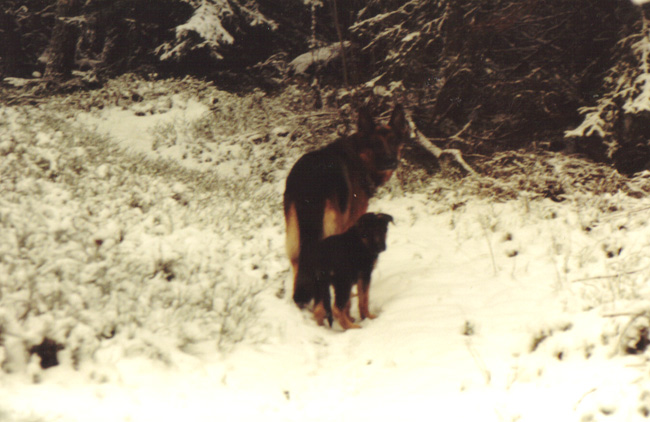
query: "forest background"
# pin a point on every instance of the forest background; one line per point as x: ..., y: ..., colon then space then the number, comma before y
x: 478, y: 76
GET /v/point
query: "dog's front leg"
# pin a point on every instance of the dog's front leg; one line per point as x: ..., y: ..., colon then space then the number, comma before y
x: 363, y: 289
x: 347, y: 311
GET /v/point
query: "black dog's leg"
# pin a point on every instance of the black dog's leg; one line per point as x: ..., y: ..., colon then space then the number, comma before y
x: 363, y: 288
x: 327, y: 301
x: 342, y: 289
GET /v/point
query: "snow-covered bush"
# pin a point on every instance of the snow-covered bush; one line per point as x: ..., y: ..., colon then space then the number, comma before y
x: 101, y: 251
x: 621, y: 115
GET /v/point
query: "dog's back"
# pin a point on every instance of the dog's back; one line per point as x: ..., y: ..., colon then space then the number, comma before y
x: 328, y: 190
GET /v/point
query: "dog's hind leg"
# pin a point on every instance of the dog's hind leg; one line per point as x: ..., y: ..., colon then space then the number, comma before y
x: 293, y: 240
x: 342, y: 318
x: 320, y: 313
x: 333, y: 218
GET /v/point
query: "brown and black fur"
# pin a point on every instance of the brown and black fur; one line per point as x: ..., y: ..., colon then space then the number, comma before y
x: 344, y: 260
x: 328, y: 189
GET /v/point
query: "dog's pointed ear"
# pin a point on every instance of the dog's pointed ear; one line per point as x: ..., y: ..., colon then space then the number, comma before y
x: 387, y: 218
x: 398, y: 119
x: 366, y: 123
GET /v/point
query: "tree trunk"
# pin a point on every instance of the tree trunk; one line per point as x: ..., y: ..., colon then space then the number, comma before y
x: 339, y: 32
x: 61, y: 51
x: 11, y: 53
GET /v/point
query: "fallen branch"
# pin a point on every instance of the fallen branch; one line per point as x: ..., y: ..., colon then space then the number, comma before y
x: 438, y: 152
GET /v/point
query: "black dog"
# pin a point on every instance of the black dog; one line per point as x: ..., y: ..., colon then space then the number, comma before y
x: 341, y: 261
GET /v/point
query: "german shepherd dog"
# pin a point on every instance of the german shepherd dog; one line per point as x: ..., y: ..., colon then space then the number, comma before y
x: 328, y: 189
x: 341, y: 261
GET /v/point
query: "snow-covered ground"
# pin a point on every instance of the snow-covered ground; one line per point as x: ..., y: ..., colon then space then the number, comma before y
x: 171, y: 298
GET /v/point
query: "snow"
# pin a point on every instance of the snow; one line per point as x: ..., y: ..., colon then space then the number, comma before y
x: 320, y: 56
x: 133, y: 131
x: 486, y: 310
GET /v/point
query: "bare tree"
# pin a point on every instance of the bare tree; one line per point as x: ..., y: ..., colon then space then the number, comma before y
x: 61, y: 51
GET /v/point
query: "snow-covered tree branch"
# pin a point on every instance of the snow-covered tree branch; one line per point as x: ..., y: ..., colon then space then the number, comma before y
x: 621, y: 114
x: 214, y: 25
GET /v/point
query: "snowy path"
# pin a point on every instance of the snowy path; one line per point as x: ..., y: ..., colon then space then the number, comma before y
x: 414, y: 356
x: 435, y: 281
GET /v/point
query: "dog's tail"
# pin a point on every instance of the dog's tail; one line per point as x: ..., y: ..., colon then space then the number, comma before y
x: 324, y: 294
x: 307, y: 209
x: 305, y: 288
x: 310, y: 223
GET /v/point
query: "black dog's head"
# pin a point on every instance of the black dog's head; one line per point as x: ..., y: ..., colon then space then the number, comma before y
x: 373, y: 229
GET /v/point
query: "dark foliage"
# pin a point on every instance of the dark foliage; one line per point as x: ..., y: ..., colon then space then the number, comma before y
x: 504, y: 73
x: 616, y: 122
x: 121, y: 35
x: 111, y: 37
x: 481, y: 76
x: 25, y: 27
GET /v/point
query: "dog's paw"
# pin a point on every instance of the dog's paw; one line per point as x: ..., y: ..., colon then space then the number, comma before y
x: 367, y: 314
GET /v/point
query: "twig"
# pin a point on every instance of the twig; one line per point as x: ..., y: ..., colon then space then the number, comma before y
x: 619, y: 314
x: 619, y: 213
x: 312, y: 115
x: 487, y: 239
x: 593, y: 390
x: 602, y: 277
x: 457, y: 135
x: 479, y: 362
